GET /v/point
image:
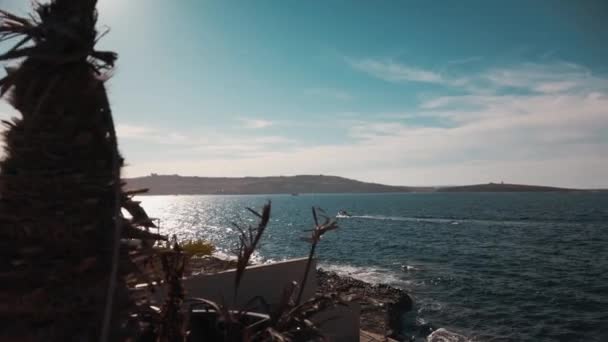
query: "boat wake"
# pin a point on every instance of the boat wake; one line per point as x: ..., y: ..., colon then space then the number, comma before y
x: 452, y: 221
x: 401, y: 218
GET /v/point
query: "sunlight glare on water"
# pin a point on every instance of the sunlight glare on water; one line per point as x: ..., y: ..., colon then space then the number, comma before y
x: 518, y: 266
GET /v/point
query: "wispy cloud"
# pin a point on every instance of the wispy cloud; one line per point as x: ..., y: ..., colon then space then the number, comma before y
x: 549, y: 78
x: 551, y: 130
x: 550, y: 134
x: 256, y: 123
x: 232, y: 144
x: 395, y: 72
x: 152, y: 135
x: 466, y: 60
x: 134, y: 131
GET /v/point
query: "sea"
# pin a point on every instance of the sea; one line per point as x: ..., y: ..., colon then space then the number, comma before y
x: 490, y: 266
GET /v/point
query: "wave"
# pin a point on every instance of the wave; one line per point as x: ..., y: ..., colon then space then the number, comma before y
x: 371, y: 275
x: 220, y: 254
x: 256, y: 257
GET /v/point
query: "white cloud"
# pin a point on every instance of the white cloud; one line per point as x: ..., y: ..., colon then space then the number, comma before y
x: 551, y: 133
x: 394, y: 72
x: 200, y: 143
x: 133, y: 131
x: 367, y: 162
x: 152, y: 135
x: 555, y: 77
x: 256, y: 123
x: 465, y: 60
x: 549, y: 78
x: 554, y: 86
x: 551, y: 137
x: 537, y: 139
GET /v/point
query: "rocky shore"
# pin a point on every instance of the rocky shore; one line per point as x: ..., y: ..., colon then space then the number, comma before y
x: 209, y: 264
x: 382, y: 306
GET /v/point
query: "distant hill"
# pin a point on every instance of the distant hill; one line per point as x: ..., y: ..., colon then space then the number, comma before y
x: 174, y: 185
x: 495, y: 187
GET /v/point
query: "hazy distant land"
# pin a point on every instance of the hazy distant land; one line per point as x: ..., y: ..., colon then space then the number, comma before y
x: 181, y: 185
x: 501, y: 187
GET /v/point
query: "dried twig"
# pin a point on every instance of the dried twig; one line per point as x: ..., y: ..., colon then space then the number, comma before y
x: 317, y: 233
x: 248, y: 242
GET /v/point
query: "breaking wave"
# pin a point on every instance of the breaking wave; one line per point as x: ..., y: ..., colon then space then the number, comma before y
x: 372, y: 275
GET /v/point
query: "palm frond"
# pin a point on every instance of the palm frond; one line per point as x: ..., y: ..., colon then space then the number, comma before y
x: 48, y: 37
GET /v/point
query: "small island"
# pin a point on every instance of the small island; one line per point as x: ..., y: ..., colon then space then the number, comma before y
x: 503, y: 187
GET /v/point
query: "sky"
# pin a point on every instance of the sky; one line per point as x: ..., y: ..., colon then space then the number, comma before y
x: 395, y: 92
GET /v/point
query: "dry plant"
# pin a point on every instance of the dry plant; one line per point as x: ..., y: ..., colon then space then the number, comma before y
x: 316, y: 234
x: 288, y: 320
x: 71, y: 262
x: 198, y: 247
x: 249, y: 240
x: 172, y: 319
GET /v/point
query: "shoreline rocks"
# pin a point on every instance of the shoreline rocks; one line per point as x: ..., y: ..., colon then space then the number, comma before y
x: 209, y: 264
x: 382, y: 306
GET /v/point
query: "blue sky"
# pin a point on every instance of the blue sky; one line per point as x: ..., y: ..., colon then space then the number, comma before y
x: 398, y: 92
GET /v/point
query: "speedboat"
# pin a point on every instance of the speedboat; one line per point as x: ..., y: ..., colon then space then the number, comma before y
x: 343, y: 213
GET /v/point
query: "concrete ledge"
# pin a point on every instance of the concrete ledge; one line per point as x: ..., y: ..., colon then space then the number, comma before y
x: 267, y: 281
x: 340, y: 324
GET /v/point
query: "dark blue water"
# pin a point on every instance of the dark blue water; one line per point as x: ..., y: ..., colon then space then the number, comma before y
x: 492, y: 266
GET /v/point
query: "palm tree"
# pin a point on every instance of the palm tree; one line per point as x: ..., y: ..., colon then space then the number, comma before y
x: 63, y: 270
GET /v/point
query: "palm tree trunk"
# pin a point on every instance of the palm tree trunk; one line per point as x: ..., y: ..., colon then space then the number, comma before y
x: 60, y: 188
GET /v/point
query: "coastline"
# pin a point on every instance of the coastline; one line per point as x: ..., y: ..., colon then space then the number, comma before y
x: 309, y: 184
x: 382, y: 306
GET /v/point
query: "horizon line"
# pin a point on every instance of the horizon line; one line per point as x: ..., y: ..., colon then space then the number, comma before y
x: 153, y: 174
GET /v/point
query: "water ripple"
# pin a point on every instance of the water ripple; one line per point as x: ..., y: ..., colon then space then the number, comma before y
x: 499, y: 267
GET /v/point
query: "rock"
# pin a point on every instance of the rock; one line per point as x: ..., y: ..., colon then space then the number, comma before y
x: 443, y: 335
x: 209, y: 264
x: 382, y: 306
x: 396, y: 311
